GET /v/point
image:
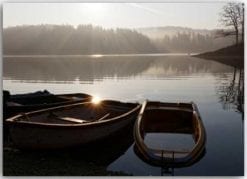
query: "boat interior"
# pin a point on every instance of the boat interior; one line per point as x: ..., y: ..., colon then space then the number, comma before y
x: 170, y: 122
x: 76, y: 113
x: 167, y: 121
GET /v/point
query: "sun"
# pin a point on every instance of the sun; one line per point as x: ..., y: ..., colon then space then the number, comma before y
x: 96, y: 8
x: 96, y: 100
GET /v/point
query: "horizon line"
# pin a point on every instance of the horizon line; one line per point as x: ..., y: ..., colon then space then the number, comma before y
x: 94, y: 25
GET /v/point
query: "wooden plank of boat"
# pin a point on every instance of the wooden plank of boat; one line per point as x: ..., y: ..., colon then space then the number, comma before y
x: 15, y: 104
x: 71, y: 119
x: 182, y: 118
x: 70, y: 125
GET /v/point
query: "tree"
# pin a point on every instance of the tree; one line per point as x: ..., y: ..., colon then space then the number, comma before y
x: 242, y: 20
x: 233, y: 15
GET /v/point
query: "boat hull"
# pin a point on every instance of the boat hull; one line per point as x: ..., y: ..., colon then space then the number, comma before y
x: 45, y: 136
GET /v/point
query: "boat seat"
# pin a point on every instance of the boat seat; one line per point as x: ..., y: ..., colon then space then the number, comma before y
x: 71, y: 119
x: 100, y: 119
x: 105, y: 116
x: 75, y: 120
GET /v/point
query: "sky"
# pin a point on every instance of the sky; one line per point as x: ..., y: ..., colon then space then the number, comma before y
x: 112, y: 15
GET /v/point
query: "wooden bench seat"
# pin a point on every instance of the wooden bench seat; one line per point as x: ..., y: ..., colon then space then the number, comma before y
x: 80, y: 121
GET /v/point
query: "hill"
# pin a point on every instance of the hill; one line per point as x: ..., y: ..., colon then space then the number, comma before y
x: 185, y: 40
x: 231, y: 55
x: 65, y: 39
x: 160, y: 32
x: 88, y: 39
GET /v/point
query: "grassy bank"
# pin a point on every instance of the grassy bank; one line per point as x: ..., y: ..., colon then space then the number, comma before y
x: 231, y: 55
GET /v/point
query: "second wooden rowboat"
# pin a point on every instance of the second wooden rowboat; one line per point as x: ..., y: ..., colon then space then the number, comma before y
x: 176, y: 118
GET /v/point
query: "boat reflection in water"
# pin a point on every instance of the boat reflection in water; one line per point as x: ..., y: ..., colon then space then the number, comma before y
x: 169, y: 121
x: 104, y: 152
x: 168, y: 169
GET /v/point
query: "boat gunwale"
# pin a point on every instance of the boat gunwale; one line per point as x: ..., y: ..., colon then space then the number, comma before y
x: 13, y: 121
x: 19, y: 96
x: 68, y: 101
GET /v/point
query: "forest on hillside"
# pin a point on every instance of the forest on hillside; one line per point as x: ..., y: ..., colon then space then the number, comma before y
x: 192, y: 42
x: 186, y: 40
x: 65, y: 39
x: 88, y: 39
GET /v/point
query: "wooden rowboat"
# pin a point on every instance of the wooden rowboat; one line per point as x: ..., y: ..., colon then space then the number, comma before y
x: 70, y: 125
x: 169, y: 118
x: 14, y: 104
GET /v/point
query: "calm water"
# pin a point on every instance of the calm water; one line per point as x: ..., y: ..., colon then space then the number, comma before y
x: 216, y: 88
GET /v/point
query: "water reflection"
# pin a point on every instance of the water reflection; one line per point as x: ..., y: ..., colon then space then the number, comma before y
x: 85, y: 70
x: 88, y: 70
x: 211, y: 85
x: 168, y: 170
x: 230, y: 90
x: 230, y: 86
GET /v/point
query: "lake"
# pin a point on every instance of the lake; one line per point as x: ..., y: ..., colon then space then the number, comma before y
x: 217, y: 89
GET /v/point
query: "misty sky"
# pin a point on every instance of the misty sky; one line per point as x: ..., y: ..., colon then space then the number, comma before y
x: 111, y: 15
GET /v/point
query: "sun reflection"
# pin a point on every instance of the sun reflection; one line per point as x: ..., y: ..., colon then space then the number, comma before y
x: 96, y: 56
x: 96, y: 100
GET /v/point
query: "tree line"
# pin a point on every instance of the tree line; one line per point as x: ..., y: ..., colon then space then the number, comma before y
x: 191, y: 42
x: 88, y: 39
x: 65, y: 39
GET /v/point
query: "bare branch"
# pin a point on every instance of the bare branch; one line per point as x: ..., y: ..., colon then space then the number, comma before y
x: 232, y: 15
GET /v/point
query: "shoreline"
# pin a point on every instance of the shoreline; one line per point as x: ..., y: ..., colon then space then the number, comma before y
x: 231, y: 55
x: 99, y: 55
